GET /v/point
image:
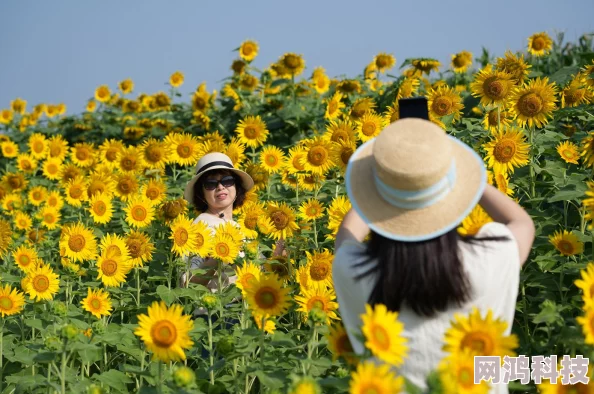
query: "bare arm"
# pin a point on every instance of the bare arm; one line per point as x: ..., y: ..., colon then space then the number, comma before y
x: 505, y: 210
x: 352, y: 227
x: 204, y: 279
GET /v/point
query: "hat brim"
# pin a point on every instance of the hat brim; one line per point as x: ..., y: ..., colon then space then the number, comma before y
x: 419, y: 224
x: 246, y: 181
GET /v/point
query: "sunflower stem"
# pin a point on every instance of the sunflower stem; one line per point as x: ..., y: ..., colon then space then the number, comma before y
x: 1, y: 355
x: 63, y: 368
x: 315, y: 233
x: 210, y: 349
x: 160, y: 382
x: 532, y: 174
x: 137, y: 287
x: 262, y: 342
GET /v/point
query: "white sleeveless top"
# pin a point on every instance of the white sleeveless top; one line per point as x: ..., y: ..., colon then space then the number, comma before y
x: 493, y: 269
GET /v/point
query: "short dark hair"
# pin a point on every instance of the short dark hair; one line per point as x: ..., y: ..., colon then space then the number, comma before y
x: 200, y: 202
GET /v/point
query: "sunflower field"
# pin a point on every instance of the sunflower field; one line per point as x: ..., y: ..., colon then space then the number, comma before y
x: 95, y: 234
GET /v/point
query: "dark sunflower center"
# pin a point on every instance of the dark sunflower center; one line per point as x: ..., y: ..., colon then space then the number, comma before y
x: 279, y: 219
x: 82, y: 154
x: 266, y: 297
x: 181, y: 236
x: 164, y: 333
x: 319, y: 270
x: 368, y: 128
x: 77, y: 242
x: 495, y: 89
x: 538, y: 44
x: 250, y: 132
x: 96, y: 304
x: 109, y: 267
x: 5, y: 303
x: 530, y: 105
x: 317, y: 155
x: 504, y: 151
x: 442, y: 105
x: 40, y: 283
x: 139, y: 213
x: 184, y: 151
x: 479, y: 342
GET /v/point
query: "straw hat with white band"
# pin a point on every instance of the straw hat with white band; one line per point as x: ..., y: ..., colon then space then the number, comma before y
x: 214, y: 161
x: 414, y: 182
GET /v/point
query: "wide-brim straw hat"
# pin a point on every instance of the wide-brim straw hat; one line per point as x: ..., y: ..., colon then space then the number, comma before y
x: 413, y: 182
x: 213, y: 161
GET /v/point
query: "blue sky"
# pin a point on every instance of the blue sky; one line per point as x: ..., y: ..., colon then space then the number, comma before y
x: 60, y: 51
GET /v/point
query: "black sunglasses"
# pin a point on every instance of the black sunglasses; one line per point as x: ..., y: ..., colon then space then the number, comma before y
x: 226, y: 181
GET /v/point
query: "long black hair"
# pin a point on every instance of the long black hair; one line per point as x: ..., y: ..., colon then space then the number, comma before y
x: 199, y: 200
x: 427, y: 276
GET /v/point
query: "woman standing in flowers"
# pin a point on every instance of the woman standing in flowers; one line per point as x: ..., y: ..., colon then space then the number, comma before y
x: 216, y: 190
x: 416, y: 263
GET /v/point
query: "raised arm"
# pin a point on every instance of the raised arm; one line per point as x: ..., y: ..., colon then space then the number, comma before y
x: 505, y: 210
x: 352, y: 227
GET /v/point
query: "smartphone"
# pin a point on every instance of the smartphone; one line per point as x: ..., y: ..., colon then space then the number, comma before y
x: 413, y: 107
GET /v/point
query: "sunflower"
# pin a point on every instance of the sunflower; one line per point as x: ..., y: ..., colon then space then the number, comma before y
x: 507, y: 150
x: 140, y: 211
x: 232, y: 230
x: 475, y: 220
x: 456, y: 374
x: 12, y: 301
x: 566, y: 243
x: 502, y: 181
x: 5, y: 237
x: 9, y: 149
x: 12, y: 202
x: 252, y: 131
x: 587, y: 323
x: 15, y: 181
x: 320, y: 81
x: 269, y: 324
x: 58, y: 147
x: 377, y: 379
x: 384, y: 61
x: 514, y: 65
x: 461, y: 61
x: 154, y: 190
x: 382, y: 332
x: 235, y: 150
x: 361, y: 107
x: 102, y: 94
x: 112, y: 270
x: 282, y: 217
x: 54, y: 200
x: 576, y: 93
x: 539, y: 44
x: 42, y: 283
x: 339, y: 344
x: 182, y: 234
x: 292, y: 63
x: 588, y: 72
x: 318, y: 298
x: 341, y: 130
x: 169, y: 210
x: 37, y: 195
x: 18, y: 105
x: 155, y: 153
x: 165, y: 331
x: 50, y: 217
x: 76, y: 192
x: 492, y: 86
x: 6, y: 116
x: 305, y: 385
x: 250, y: 218
x: 78, y: 242
x: 496, y: 119
x: 272, y: 159
x: 533, y: 103
x: 101, y: 208
x: 444, y: 101
x: 247, y: 274
x: 26, y: 163
x: 97, y: 302
x: 100, y: 182
x: 569, y: 152
x: 266, y: 296
x: 130, y: 160
x: 91, y: 106
x: 349, y: 86
x: 126, y: 186
x: 114, y: 246
x: 26, y: 258
x: 140, y: 248
x: 319, y: 267
x: 317, y: 160
x: 202, y: 240
x: 52, y: 168
x: 587, y: 150
x: 369, y: 126
x: 224, y: 248
x: 586, y: 284
x: 336, y: 211
x: 248, y: 50
x: 38, y: 145
x: 311, y: 209
x: 22, y: 221
x: 184, y: 148
x: 482, y: 336
x: 108, y: 152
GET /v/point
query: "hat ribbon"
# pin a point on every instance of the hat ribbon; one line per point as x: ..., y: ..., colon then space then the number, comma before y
x: 212, y: 164
x: 417, y: 199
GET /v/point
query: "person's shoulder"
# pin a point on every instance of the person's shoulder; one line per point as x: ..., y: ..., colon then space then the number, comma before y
x: 348, y: 251
x: 495, y: 229
x: 206, y: 218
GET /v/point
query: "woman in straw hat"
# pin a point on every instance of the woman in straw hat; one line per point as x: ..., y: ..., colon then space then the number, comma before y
x: 216, y: 189
x: 410, y: 189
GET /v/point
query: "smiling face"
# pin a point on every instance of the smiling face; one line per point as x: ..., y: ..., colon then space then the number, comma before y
x: 222, y: 196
